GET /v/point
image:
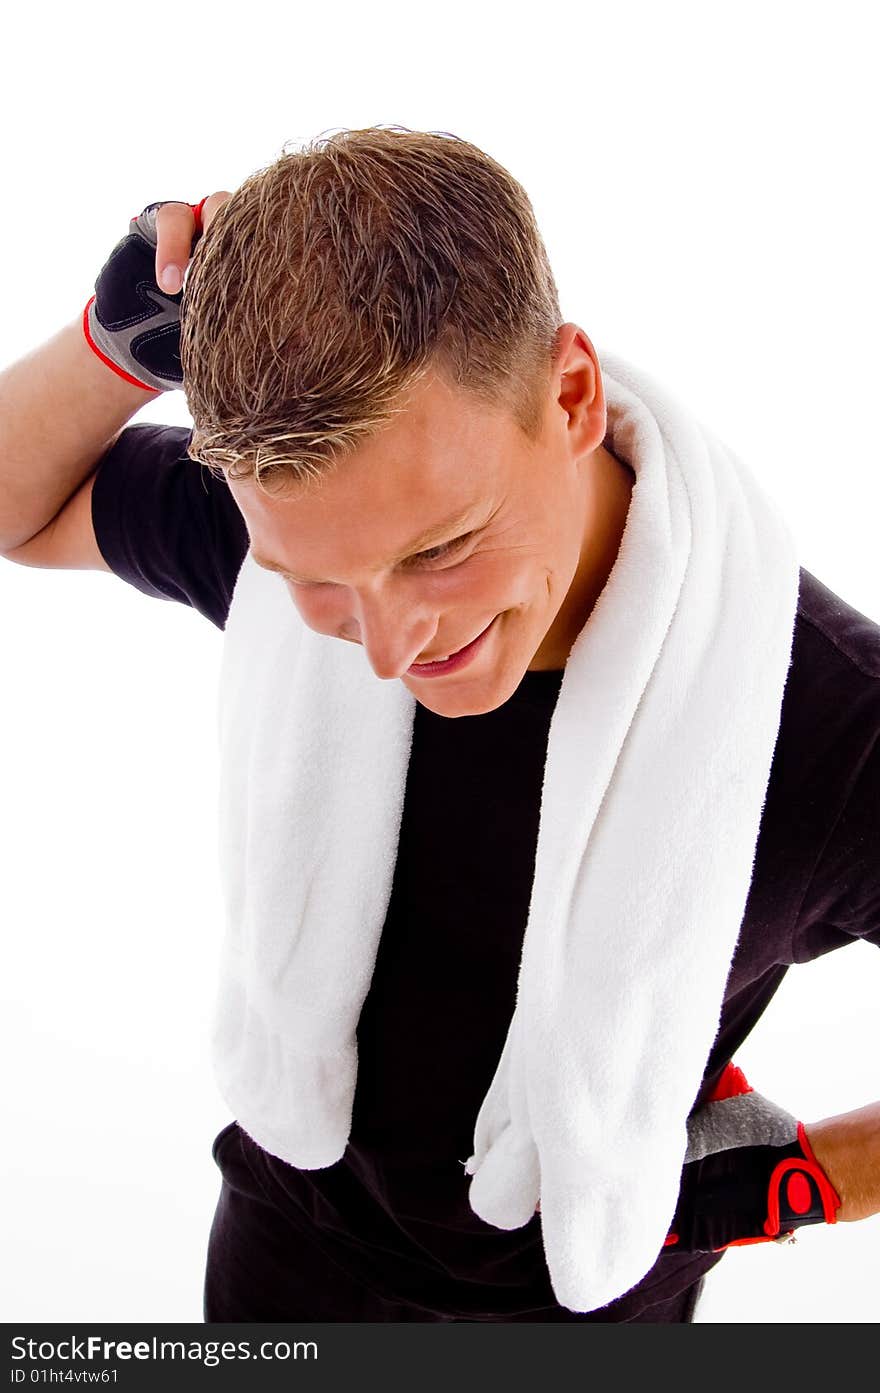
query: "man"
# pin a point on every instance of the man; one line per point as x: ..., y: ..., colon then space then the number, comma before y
x: 465, y: 556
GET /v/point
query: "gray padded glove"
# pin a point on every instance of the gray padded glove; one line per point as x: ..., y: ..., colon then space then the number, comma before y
x: 749, y: 1175
x: 133, y: 325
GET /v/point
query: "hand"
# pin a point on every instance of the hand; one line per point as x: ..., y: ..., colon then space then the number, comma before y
x: 132, y: 322
x: 175, y: 231
x: 749, y: 1174
x: 847, y: 1147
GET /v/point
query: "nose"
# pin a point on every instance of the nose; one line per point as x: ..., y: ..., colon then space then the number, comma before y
x: 393, y: 633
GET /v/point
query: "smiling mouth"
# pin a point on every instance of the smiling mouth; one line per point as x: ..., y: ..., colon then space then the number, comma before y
x: 438, y: 667
x: 441, y: 658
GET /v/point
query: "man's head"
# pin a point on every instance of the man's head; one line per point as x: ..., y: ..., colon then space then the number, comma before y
x: 371, y: 346
x: 449, y: 524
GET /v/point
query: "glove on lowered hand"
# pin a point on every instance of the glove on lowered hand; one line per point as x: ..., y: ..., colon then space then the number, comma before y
x: 133, y: 325
x: 749, y: 1176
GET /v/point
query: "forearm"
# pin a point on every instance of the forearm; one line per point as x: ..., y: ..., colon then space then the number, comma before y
x: 60, y: 409
x: 847, y: 1147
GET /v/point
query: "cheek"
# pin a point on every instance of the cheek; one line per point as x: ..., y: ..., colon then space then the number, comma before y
x: 499, y: 580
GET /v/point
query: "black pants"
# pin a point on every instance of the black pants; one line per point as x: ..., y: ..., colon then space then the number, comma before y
x: 260, y: 1269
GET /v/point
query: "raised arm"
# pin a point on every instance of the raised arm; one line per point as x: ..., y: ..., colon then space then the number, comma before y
x: 60, y: 409
x: 65, y: 402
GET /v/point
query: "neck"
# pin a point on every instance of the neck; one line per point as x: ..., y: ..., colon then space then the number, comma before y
x: 610, y: 483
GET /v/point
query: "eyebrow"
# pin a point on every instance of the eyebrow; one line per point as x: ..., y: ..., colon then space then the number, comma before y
x: 440, y: 532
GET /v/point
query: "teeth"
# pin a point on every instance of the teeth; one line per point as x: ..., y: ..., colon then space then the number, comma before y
x: 448, y: 655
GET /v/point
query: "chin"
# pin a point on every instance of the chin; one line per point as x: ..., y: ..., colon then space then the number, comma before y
x: 462, y: 706
x: 474, y: 699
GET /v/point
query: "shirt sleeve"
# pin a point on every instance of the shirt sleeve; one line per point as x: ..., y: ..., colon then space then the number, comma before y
x: 165, y: 524
x: 842, y: 902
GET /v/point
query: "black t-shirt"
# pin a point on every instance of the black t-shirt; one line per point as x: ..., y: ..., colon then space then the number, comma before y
x: 394, y: 1210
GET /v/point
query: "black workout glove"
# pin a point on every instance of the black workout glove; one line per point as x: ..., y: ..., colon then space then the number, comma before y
x: 133, y: 325
x: 750, y: 1175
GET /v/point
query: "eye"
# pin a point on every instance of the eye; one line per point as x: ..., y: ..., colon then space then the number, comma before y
x: 442, y: 552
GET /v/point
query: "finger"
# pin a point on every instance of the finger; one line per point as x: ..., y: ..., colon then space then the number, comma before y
x: 175, y: 226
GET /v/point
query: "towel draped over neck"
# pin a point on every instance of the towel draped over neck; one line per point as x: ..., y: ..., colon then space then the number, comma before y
x: 658, y: 760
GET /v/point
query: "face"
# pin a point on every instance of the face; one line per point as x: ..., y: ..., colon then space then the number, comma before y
x: 449, y: 527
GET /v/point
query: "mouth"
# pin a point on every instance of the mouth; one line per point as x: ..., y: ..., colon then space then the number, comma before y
x: 435, y: 667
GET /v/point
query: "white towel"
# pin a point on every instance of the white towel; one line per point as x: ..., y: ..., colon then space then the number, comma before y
x: 658, y: 759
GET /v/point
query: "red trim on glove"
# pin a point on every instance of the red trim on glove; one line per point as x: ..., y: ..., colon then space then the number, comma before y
x: 731, y: 1084
x: 791, y: 1163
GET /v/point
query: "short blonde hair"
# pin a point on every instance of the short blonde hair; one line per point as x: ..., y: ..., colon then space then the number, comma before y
x: 335, y: 278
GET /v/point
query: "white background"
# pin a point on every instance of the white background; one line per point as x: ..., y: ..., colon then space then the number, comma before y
x: 705, y: 179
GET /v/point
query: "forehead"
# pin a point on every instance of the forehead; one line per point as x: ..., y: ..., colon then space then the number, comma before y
x: 443, y: 455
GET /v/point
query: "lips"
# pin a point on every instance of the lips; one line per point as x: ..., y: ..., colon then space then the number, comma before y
x: 442, y: 658
x: 436, y: 667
